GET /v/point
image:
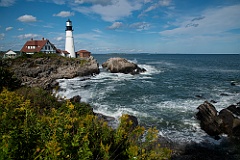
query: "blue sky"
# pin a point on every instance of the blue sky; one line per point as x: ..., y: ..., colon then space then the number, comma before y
x: 125, y: 26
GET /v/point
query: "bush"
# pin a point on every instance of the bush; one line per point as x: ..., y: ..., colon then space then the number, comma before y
x: 69, y: 132
x: 8, y: 80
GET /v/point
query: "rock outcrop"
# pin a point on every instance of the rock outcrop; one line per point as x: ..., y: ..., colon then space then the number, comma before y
x: 121, y: 65
x: 214, y: 123
x: 42, y: 72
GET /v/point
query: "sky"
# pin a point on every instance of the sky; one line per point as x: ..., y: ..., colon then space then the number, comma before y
x: 125, y: 26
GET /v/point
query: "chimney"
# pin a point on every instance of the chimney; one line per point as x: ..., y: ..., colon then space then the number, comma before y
x: 43, y: 38
x: 31, y: 39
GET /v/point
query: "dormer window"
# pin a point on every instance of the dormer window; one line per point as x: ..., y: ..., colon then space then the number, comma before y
x: 31, y: 47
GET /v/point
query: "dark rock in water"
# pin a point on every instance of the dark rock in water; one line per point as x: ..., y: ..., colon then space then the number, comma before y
x: 224, y: 94
x: 111, y: 121
x: 214, y: 124
x: 236, y: 130
x: 199, y: 96
x: 227, y: 119
x: 226, y: 150
x: 233, y: 83
x: 134, y: 121
x: 234, y: 109
x: 121, y: 65
x: 209, y: 121
x: 213, y: 101
x: 75, y: 99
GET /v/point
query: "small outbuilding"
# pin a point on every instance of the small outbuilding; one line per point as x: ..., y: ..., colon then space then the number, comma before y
x: 83, y: 54
x: 63, y: 53
x: 10, y: 54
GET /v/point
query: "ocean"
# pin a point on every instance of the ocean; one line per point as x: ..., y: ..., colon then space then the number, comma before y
x: 167, y: 95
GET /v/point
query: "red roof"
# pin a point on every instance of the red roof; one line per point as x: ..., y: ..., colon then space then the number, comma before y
x: 65, y: 52
x: 83, y: 51
x: 37, y: 43
x: 61, y: 51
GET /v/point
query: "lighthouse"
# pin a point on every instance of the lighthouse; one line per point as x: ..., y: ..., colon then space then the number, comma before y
x: 69, y: 43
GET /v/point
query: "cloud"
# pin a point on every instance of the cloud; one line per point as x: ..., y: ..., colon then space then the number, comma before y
x: 115, y: 25
x: 59, y: 2
x: 161, y: 3
x: 197, y: 18
x: 139, y: 26
x: 64, y: 14
x: 28, y: 36
x: 27, y: 18
x: 165, y: 2
x: 88, y: 36
x: 6, y: 3
x: 2, y: 35
x: 9, y: 28
x: 97, y: 30
x: 95, y: 2
x: 59, y: 38
x: 20, y: 29
x: 212, y: 21
x: 114, y: 11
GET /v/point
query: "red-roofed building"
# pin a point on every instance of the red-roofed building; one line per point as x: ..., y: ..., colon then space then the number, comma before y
x: 83, y: 54
x: 63, y: 53
x: 35, y: 46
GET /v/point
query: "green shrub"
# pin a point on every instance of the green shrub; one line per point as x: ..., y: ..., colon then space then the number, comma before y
x: 69, y: 132
x: 8, y: 80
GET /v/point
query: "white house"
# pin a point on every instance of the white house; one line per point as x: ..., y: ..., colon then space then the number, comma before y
x: 10, y: 54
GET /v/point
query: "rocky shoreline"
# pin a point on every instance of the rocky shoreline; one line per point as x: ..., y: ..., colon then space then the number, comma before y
x: 43, y: 73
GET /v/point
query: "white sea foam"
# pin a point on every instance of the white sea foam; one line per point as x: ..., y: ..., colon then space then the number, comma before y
x: 149, y: 69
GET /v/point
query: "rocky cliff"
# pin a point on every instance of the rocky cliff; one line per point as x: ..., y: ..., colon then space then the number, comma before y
x: 43, y: 71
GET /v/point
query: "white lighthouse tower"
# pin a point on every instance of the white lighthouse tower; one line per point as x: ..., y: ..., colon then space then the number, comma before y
x: 69, y: 43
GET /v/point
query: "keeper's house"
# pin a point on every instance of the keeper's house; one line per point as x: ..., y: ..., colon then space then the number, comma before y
x: 83, y: 54
x: 35, y: 46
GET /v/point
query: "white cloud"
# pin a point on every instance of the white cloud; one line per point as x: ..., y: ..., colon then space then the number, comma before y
x: 64, y: 14
x: 165, y: 2
x: 97, y: 30
x: 139, y: 26
x: 87, y: 36
x: 20, y: 29
x: 212, y: 21
x: 115, y: 25
x: 6, y: 3
x: 2, y: 35
x: 9, y: 28
x: 59, y: 2
x: 28, y: 36
x: 161, y: 3
x: 100, y: 2
x: 27, y: 18
x: 114, y: 11
x: 59, y: 38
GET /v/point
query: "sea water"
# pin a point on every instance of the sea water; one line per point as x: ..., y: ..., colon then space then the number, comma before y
x: 167, y: 95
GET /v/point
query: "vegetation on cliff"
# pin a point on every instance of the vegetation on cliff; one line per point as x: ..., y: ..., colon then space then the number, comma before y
x: 36, y: 125
x: 41, y: 70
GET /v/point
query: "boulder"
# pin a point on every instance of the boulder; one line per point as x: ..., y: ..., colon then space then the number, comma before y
x: 227, y: 119
x: 75, y: 99
x: 133, y: 120
x: 209, y: 120
x: 121, y: 65
x: 213, y: 123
